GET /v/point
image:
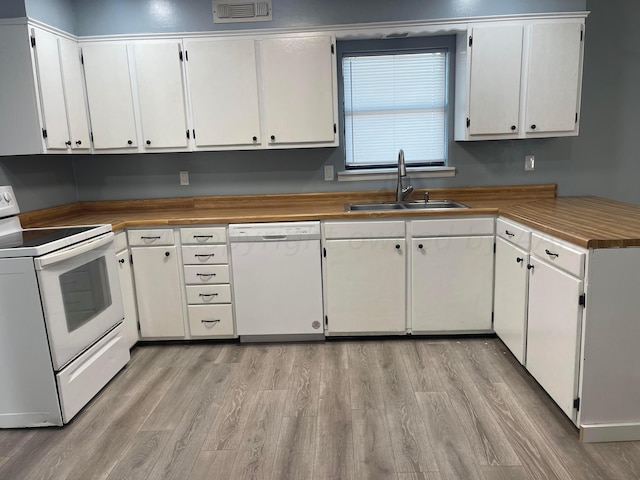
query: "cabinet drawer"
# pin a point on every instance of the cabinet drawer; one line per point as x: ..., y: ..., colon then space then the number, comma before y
x: 203, y: 235
x: 210, y: 320
x: 562, y: 256
x: 347, y: 230
x: 120, y: 241
x: 158, y: 236
x: 450, y: 227
x: 204, y: 254
x: 204, y: 294
x: 513, y: 233
x: 206, y: 274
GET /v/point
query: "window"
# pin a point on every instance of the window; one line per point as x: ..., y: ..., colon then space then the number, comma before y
x: 392, y: 100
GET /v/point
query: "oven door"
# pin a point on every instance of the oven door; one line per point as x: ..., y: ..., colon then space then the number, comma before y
x: 80, y: 294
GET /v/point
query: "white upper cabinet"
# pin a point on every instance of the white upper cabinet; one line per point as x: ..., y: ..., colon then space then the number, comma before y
x: 64, y: 111
x: 223, y: 87
x: 553, y: 87
x: 298, y: 81
x: 106, y: 68
x: 160, y: 90
x: 519, y: 79
x: 494, y: 89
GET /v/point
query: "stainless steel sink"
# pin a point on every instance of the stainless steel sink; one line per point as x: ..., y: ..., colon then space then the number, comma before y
x: 382, y: 206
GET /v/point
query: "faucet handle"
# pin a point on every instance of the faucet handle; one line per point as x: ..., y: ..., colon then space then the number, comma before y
x: 426, y: 197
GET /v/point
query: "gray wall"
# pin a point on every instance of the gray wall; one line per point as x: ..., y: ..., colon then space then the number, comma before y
x: 39, y: 181
x: 12, y: 9
x: 57, y: 13
x: 101, y: 17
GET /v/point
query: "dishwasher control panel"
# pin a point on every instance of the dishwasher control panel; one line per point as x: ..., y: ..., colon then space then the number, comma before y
x: 274, y: 231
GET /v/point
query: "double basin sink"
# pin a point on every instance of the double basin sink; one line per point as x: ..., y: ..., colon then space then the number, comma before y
x: 419, y: 205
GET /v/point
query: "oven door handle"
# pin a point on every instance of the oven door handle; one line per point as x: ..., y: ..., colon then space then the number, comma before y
x: 73, y: 251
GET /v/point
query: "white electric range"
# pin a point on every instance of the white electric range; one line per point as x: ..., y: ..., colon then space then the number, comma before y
x: 61, y: 318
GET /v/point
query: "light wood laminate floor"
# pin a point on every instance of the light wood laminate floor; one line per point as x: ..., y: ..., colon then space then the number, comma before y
x: 405, y: 409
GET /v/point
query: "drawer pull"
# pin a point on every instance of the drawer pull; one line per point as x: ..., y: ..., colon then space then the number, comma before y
x: 205, y: 255
x: 509, y: 233
x: 551, y: 254
x: 151, y: 238
x: 519, y: 260
x: 208, y: 295
x: 210, y: 321
x: 206, y: 275
x: 203, y: 236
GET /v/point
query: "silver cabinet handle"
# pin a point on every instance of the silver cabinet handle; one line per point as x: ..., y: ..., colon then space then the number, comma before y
x: 551, y: 254
x: 210, y: 321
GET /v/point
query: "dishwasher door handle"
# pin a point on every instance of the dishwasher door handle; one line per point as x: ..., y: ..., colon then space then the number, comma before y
x: 274, y: 237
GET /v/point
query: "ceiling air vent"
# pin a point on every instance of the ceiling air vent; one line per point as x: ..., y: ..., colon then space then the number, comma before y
x: 241, y: 11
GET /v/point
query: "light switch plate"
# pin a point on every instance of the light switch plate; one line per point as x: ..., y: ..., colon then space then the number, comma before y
x: 184, y: 177
x: 529, y: 162
x: 328, y: 173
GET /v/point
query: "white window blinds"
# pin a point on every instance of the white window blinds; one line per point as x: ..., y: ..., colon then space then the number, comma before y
x: 392, y: 102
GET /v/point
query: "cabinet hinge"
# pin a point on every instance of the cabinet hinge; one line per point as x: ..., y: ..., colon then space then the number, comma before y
x: 468, y: 122
x: 91, y: 135
x: 335, y: 128
x: 180, y: 55
x: 326, y: 321
x: 470, y: 40
x: 44, y: 133
x: 492, y: 315
x: 194, y: 133
x: 186, y: 55
x: 188, y: 136
x: 576, y: 403
x: 576, y: 117
x: 581, y: 35
x: 494, y: 247
x: 582, y: 300
x: 131, y: 259
x: 332, y: 49
x: 33, y: 41
x: 324, y: 252
x: 81, y: 59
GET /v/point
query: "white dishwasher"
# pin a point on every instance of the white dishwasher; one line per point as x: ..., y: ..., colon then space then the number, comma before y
x: 277, y: 281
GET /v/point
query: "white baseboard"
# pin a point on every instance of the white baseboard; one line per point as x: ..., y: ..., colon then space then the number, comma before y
x: 610, y: 432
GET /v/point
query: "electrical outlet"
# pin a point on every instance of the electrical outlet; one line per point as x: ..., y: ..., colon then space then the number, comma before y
x: 328, y: 173
x: 529, y: 162
x: 184, y: 177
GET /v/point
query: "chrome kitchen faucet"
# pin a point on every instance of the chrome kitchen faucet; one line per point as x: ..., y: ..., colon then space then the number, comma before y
x: 402, y: 172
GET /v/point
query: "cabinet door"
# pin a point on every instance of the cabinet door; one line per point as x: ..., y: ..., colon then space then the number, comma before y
x: 510, y: 297
x: 161, y: 94
x: 130, y: 329
x: 54, y: 113
x: 553, y: 332
x: 74, y: 95
x: 297, y: 77
x: 158, y: 291
x: 554, y: 77
x: 451, y: 284
x: 106, y: 69
x: 223, y: 87
x: 494, y: 90
x: 365, y: 285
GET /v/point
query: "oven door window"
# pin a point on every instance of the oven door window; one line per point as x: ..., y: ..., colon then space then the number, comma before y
x: 85, y: 292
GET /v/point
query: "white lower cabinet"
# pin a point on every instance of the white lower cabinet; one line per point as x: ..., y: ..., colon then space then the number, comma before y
x: 208, y: 283
x: 553, y: 333
x: 451, y: 275
x: 510, y: 297
x: 158, y: 291
x: 130, y: 328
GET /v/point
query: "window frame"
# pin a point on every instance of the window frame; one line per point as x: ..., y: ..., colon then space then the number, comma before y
x: 426, y: 44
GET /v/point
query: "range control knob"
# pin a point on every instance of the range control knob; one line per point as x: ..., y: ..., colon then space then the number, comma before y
x: 7, y: 197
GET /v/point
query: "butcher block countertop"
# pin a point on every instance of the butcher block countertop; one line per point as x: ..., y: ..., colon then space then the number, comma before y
x: 589, y: 222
